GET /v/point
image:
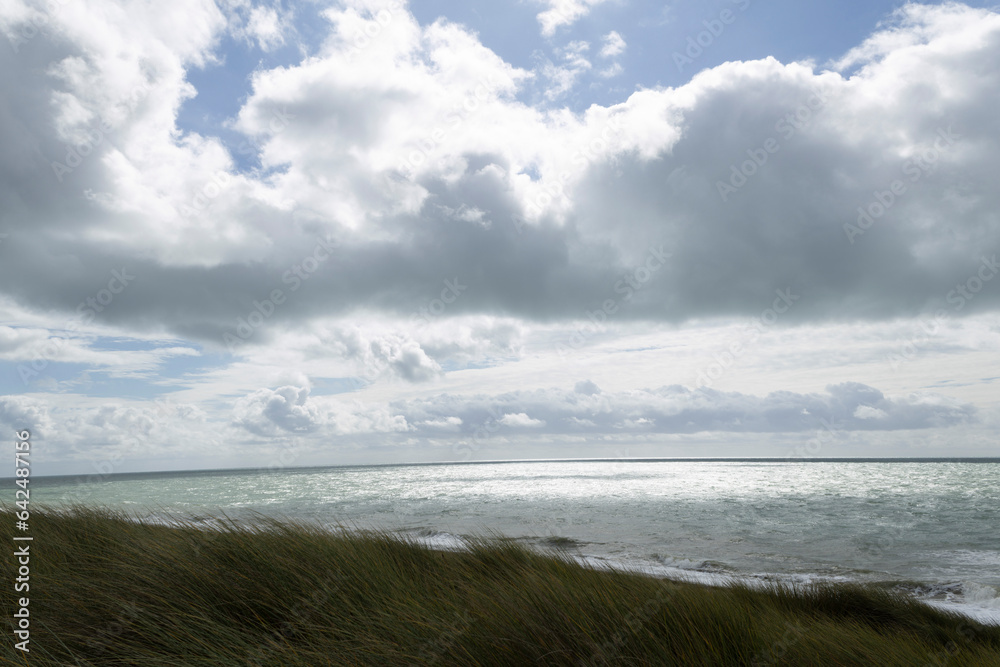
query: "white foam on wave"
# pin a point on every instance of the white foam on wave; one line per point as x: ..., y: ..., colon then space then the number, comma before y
x: 979, y: 601
x: 439, y: 540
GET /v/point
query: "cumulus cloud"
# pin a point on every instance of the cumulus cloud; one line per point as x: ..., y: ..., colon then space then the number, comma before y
x: 520, y: 420
x: 868, y: 412
x: 542, y: 191
x: 676, y: 409
x: 267, y: 411
x: 19, y: 412
x: 666, y: 410
x: 285, y: 410
x: 113, y: 433
x: 290, y: 410
x: 446, y: 424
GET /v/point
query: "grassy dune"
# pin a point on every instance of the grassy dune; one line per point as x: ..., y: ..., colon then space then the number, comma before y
x: 109, y: 591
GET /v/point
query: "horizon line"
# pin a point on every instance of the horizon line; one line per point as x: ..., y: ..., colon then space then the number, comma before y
x: 639, y: 459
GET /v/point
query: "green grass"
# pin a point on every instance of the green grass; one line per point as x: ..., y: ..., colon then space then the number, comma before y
x: 106, y: 590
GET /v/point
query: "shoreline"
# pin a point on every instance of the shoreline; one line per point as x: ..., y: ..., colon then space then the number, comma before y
x: 561, y: 547
x: 722, y: 578
x: 273, y: 592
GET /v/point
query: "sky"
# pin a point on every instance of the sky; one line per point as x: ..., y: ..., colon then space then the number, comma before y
x: 274, y: 234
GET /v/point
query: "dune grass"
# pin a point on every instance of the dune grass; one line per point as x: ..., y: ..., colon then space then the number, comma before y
x: 106, y: 590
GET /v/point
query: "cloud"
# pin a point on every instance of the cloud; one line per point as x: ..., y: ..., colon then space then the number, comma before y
x: 562, y: 78
x: 411, y: 210
x: 614, y: 69
x: 19, y: 412
x: 446, y: 424
x: 268, y: 412
x: 291, y: 410
x: 676, y: 409
x: 406, y: 359
x: 425, y: 121
x: 265, y: 26
x: 563, y: 13
x: 614, y: 45
x: 666, y: 410
x: 520, y: 420
x: 119, y: 434
x: 868, y: 412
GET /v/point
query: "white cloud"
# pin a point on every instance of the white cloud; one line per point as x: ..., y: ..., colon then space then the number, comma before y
x: 614, y: 45
x: 446, y: 424
x: 268, y: 412
x: 564, y: 76
x: 564, y: 12
x: 868, y: 412
x: 291, y: 410
x: 520, y: 420
x: 21, y: 412
x: 613, y: 70
x: 266, y: 27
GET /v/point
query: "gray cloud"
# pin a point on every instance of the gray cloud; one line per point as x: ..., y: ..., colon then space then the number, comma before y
x: 586, y: 409
x: 785, y: 227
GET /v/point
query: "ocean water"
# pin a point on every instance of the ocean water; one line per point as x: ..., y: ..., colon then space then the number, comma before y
x: 930, y: 528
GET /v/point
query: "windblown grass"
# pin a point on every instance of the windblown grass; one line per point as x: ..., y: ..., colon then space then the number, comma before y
x: 106, y: 590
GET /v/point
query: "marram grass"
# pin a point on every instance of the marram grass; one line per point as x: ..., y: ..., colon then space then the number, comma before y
x: 107, y: 590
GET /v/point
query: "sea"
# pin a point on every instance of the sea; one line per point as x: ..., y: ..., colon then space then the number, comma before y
x: 928, y: 527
